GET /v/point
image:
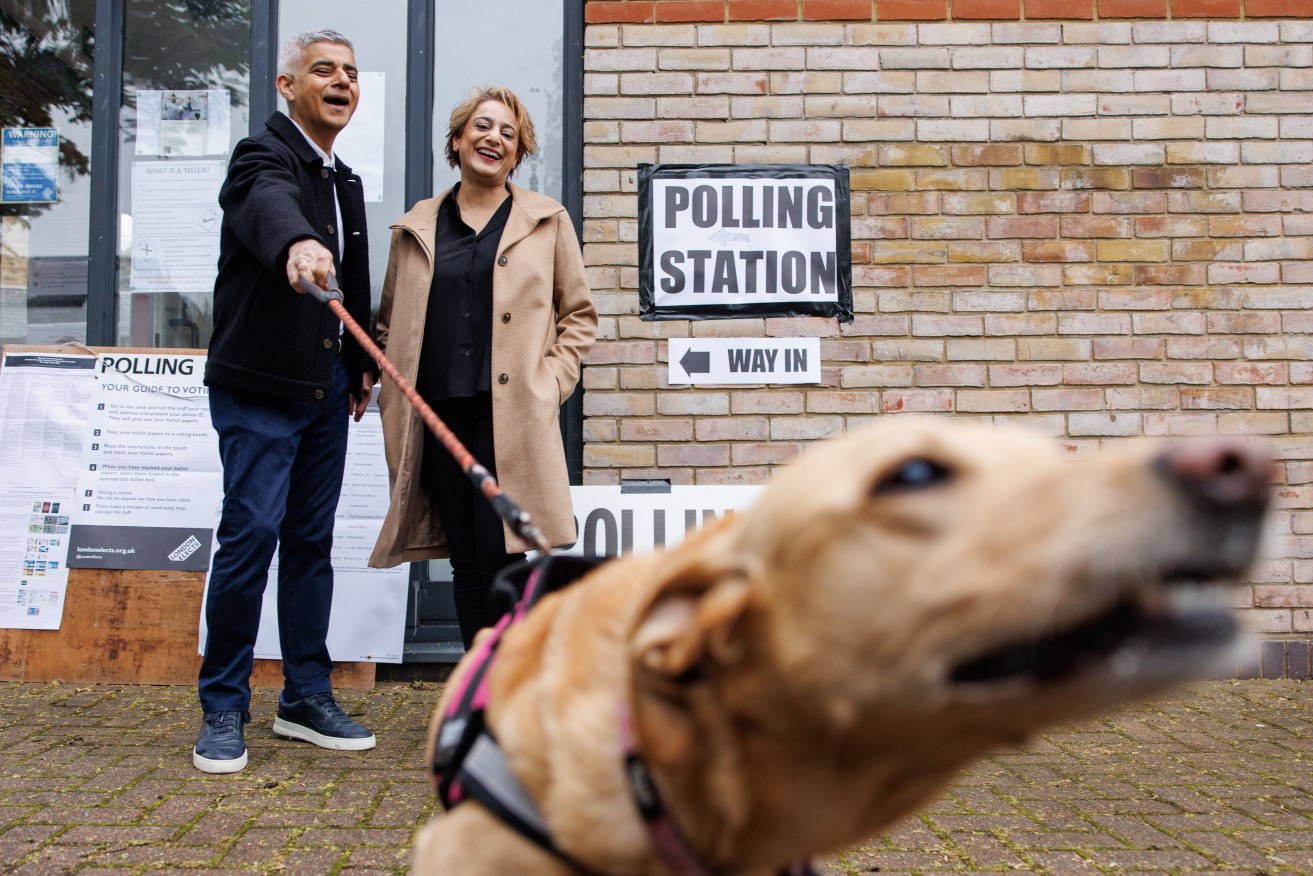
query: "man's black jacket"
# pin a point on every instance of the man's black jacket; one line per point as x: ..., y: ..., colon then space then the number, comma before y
x: 268, y: 338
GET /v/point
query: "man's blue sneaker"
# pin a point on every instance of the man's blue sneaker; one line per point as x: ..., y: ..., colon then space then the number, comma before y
x: 221, y: 747
x: 320, y: 720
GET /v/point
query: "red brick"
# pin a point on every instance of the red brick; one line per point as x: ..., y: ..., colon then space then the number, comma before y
x: 1278, y: 9
x: 1188, y: 274
x: 1132, y: 8
x: 1169, y: 178
x: 906, y: 10
x: 690, y: 10
x: 1058, y: 251
x: 1032, y: 227
x: 619, y: 12
x: 1006, y: 10
x: 763, y: 10
x: 1036, y: 9
x: 1002, y: 154
x: 1205, y: 8
x: 836, y: 10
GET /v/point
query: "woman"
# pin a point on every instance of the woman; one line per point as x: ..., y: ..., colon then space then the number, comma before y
x: 486, y: 309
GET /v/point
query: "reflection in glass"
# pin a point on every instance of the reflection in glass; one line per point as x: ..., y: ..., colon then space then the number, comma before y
x: 521, y: 50
x: 186, y: 82
x: 46, y: 49
x: 374, y: 143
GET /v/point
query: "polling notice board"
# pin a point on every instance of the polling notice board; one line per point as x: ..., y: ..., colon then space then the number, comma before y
x: 108, y: 461
x: 44, y: 397
x: 746, y: 240
x: 148, y: 486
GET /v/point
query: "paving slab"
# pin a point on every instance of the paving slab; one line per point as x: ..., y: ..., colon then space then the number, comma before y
x: 97, y: 779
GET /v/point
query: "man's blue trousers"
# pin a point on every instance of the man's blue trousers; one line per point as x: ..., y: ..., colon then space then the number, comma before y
x: 282, y: 475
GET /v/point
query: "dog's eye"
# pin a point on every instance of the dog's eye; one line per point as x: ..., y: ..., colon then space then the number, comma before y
x: 913, y: 474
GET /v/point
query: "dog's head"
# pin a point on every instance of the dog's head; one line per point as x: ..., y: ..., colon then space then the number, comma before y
x: 952, y: 587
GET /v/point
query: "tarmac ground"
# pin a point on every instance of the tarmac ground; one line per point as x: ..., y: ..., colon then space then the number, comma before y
x: 98, y: 779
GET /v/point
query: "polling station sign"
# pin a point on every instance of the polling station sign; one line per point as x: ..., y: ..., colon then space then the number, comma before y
x: 747, y: 240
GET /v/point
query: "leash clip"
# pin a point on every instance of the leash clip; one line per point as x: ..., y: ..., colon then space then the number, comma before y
x: 323, y: 296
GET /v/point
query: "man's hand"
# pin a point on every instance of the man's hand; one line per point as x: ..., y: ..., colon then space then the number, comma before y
x: 358, y: 405
x: 309, y: 261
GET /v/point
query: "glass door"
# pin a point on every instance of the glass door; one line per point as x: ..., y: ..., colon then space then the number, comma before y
x: 186, y: 88
x: 374, y: 143
x: 46, y: 50
x: 523, y: 51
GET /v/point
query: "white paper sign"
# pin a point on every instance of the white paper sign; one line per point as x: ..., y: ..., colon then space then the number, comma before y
x: 744, y: 360
x: 150, y: 479
x: 175, y: 226
x: 43, y: 404
x: 369, y: 605
x: 720, y: 242
x: 184, y: 122
x: 34, y: 527
x: 613, y: 521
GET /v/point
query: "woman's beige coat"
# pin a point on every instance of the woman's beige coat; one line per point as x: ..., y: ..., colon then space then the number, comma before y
x: 543, y: 323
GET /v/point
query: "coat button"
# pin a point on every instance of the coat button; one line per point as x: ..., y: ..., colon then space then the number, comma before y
x: 323, y: 172
x: 502, y: 261
x: 503, y: 378
x: 328, y: 345
x: 319, y: 393
x: 331, y: 230
x: 505, y: 317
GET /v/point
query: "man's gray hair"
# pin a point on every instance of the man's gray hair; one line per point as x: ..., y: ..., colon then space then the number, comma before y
x: 289, y: 59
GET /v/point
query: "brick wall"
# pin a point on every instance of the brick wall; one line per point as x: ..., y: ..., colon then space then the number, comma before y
x: 713, y: 11
x: 1095, y: 228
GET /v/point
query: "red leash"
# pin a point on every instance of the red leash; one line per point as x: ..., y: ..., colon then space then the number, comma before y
x: 516, y: 517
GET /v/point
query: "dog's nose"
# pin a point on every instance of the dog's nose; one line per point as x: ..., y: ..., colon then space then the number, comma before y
x: 1225, y: 472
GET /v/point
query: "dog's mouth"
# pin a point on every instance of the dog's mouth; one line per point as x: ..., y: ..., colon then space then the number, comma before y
x: 1179, y: 630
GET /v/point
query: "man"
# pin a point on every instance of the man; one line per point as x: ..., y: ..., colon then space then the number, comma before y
x: 283, y: 380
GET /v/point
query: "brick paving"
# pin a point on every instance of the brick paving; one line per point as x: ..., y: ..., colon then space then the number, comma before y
x: 98, y: 779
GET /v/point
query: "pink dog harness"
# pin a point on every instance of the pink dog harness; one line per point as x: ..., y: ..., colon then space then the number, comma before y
x: 469, y: 764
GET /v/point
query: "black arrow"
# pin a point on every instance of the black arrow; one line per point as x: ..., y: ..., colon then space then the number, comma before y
x: 696, y: 363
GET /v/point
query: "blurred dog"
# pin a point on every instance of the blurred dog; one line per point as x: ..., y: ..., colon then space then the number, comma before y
x: 796, y: 677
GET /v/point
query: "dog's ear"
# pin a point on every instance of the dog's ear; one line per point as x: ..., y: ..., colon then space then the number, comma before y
x: 694, y: 623
x: 692, y: 620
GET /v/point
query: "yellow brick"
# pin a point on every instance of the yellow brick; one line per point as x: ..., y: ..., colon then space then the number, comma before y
x: 1134, y: 250
x: 914, y: 156
x: 1057, y: 153
x: 1028, y: 179
x: 1112, y: 178
x: 886, y: 252
x: 983, y: 253
x: 952, y: 180
x: 983, y: 203
x: 881, y: 180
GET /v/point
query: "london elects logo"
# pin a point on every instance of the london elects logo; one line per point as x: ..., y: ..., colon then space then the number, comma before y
x: 186, y: 549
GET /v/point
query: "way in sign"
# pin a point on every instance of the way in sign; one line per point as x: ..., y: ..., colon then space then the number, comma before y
x: 757, y: 359
x: 744, y: 360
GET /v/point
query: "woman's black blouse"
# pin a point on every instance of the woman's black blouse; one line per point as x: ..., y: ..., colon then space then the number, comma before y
x: 456, y: 357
